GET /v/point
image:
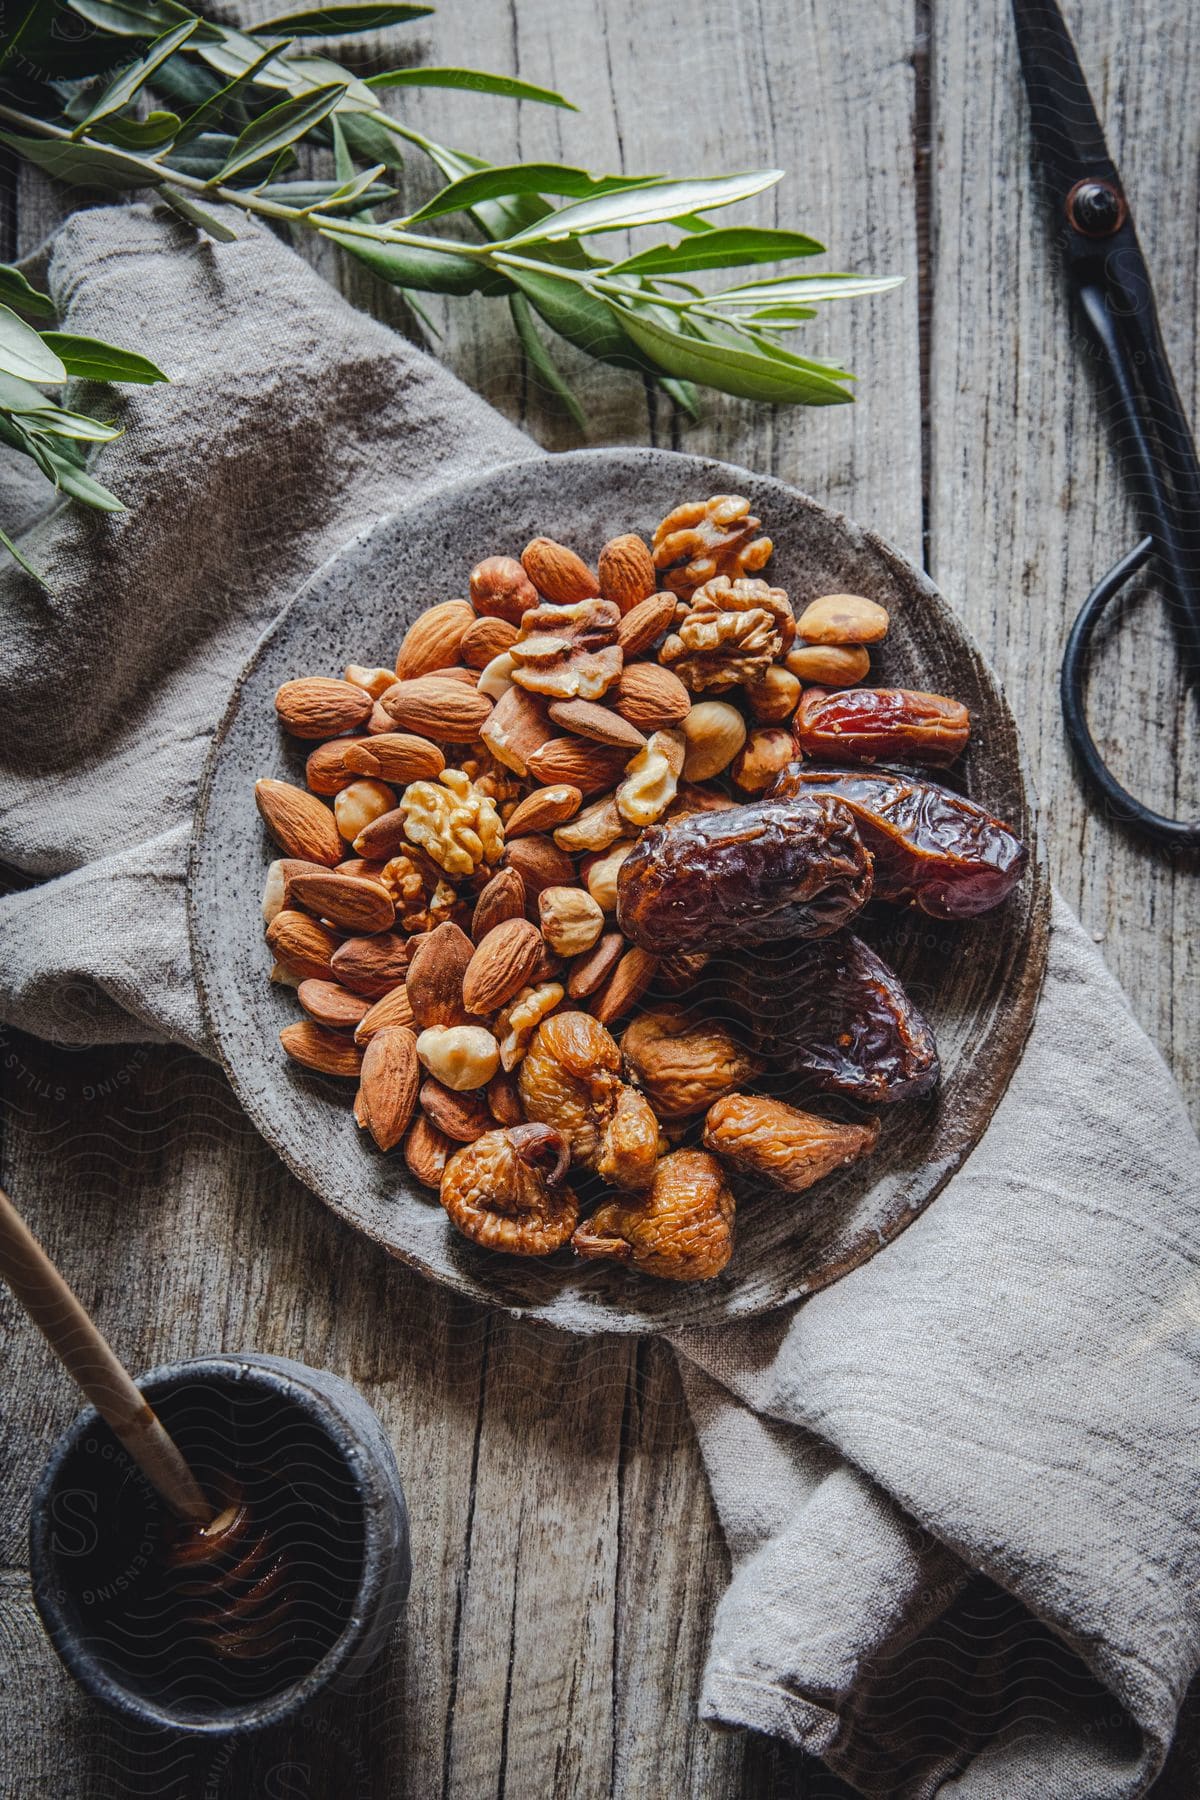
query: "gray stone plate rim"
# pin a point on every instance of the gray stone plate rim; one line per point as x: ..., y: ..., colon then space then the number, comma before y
x: 978, y: 981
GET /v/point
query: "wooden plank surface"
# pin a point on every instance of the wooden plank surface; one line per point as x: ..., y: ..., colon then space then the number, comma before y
x: 567, y: 1559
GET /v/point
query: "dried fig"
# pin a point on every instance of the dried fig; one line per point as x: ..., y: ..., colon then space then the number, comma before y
x: 780, y: 1145
x: 570, y: 1079
x: 682, y: 1067
x: 681, y: 1229
x: 506, y: 1191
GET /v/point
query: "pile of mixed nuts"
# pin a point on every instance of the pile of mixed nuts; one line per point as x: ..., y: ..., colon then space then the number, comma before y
x: 574, y: 788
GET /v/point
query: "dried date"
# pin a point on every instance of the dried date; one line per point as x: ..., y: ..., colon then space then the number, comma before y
x: 831, y: 1010
x: 870, y: 724
x: 933, y: 849
x: 748, y: 875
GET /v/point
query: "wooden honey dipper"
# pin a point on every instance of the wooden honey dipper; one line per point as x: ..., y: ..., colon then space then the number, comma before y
x: 223, y: 1564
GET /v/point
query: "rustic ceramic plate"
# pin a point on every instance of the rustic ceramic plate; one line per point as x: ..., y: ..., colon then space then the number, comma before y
x: 977, y: 981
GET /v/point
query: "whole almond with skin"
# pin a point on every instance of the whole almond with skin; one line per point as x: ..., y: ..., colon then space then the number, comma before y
x: 625, y: 986
x: 331, y: 1004
x: 326, y: 771
x: 504, y: 1099
x: 626, y: 571
x: 383, y: 837
x: 591, y: 971
x: 463, y: 1117
x: 650, y: 696
x: 427, y: 1151
x: 484, y: 639
x: 500, y: 589
x: 542, y: 810
x: 304, y: 945
x: 503, y: 898
x: 578, y: 762
x: 316, y: 1047
x: 321, y: 706
x: 599, y: 723
x: 516, y: 728
x: 558, y: 572
x: 394, y: 1009
x: 455, y: 672
x: 275, y: 890
x: 394, y: 756
x: 371, y: 965
x: 433, y: 640
x: 503, y: 962
x: 645, y: 622
x: 540, y: 863
x: 434, y: 982
x: 435, y: 707
x: 387, y: 1085
x: 362, y: 868
x: 348, y: 901
x: 299, y: 823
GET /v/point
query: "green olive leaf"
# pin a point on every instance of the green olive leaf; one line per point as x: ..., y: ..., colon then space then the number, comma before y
x: 25, y: 353
x: 91, y: 359
x: 476, y: 81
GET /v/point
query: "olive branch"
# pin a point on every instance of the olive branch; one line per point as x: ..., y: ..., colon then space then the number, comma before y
x: 145, y: 94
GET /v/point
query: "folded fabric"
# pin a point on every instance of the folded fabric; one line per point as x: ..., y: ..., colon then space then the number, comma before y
x: 958, y: 1487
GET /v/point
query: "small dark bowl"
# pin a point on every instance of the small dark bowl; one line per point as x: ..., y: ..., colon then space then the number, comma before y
x: 328, y: 1491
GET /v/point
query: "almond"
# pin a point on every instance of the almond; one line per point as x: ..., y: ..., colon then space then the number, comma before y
x: 394, y: 1009
x: 298, y: 822
x: 593, y: 970
x: 503, y: 898
x: 501, y: 589
x: 516, y: 728
x: 432, y: 641
x: 600, y: 723
x: 349, y: 901
x: 275, y: 888
x: 503, y: 962
x: 558, y: 573
x: 371, y: 965
x: 545, y: 808
x: 463, y: 1117
x: 320, y: 706
x: 580, y: 763
x: 484, y: 639
x: 362, y: 869
x: 303, y: 945
x: 455, y: 672
x: 327, y: 772
x: 504, y: 1099
x: 650, y: 697
x: 435, y: 976
x: 332, y: 1005
x: 435, y: 707
x: 540, y: 864
x: 384, y: 837
x: 394, y: 756
x: 645, y: 622
x: 625, y: 986
x: 387, y: 1085
x: 328, y: 1052
x: 427, y: 1151
x: 626, y: 571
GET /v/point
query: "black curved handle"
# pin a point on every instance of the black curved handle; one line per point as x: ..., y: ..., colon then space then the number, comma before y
x: 1178, y: 834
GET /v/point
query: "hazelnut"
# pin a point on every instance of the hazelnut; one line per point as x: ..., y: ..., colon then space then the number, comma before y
x: 359, y: 805
x: 766, y: 752
x: 571, y: 919
x: 459, y: 1056
x: 713, y: 732
x: 602, y: 876
x: 775, y: 697
x: 500, y: 589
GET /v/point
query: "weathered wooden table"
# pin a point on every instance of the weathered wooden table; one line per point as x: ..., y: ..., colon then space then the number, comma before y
x: 567, y: 1558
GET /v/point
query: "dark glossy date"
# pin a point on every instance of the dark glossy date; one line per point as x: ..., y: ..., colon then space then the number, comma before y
x: 748, y: 875
x: 933, y: 849
x: 831, y: 1010
x: 880, y: 724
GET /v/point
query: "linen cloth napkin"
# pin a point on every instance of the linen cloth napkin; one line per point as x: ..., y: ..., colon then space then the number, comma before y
x: 959, y: 1488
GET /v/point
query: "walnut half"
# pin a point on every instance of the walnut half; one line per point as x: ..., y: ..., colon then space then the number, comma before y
x: 731, y: 632
x: 568, y: 652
